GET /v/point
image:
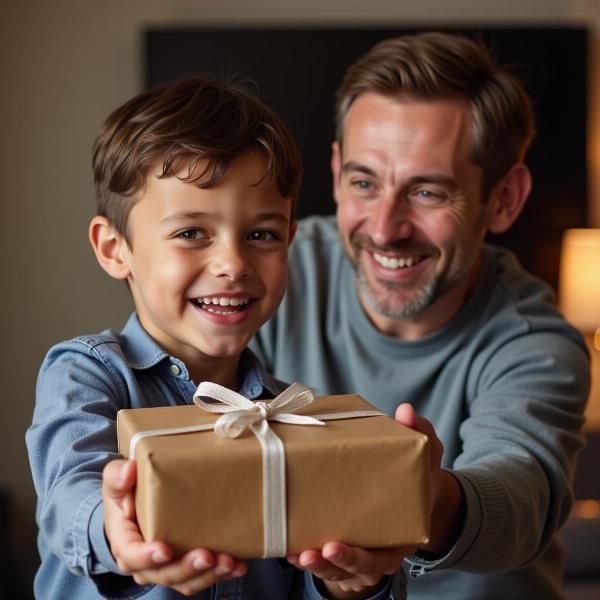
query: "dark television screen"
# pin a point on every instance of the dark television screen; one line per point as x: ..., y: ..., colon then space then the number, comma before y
x: 296, y: 72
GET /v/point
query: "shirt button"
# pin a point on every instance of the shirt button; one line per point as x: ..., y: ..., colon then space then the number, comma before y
x: 175, y: 370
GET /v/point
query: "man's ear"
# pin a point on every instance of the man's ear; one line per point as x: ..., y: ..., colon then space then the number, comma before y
x: 110, y: 248
x: 336, y: 167
x: 508, y: 198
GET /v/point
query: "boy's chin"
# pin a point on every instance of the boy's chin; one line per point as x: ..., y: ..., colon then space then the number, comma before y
x: 225, y: 349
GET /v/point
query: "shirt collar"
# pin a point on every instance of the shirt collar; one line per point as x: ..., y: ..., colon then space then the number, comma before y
x: 142, y: 352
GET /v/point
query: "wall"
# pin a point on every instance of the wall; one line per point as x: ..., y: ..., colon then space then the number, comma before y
x: 65, y: 65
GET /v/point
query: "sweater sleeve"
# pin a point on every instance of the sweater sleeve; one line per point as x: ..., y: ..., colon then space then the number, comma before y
x: 520, y: 441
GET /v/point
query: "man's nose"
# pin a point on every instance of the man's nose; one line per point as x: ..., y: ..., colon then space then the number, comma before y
x: 390, y: 220
x: 230, y: 262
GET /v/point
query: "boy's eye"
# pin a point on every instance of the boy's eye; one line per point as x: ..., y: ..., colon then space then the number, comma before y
x: 263, y: 235
x: 192, y: 234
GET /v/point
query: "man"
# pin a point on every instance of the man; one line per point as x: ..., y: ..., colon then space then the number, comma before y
x: 402, y: 302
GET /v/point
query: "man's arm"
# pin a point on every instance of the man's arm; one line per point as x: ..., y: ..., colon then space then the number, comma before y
x: 355, y: 573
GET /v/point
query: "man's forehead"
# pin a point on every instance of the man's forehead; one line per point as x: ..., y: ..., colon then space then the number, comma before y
x: 378, y: 120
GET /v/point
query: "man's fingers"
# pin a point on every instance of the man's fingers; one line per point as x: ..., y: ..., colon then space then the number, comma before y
x: 368, y: 565
x: 406, y: 415
x: 313, y: 561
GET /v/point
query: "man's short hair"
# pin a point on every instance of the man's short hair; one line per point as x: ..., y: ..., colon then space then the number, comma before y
x: 433, y: 66
x: 178, y: 124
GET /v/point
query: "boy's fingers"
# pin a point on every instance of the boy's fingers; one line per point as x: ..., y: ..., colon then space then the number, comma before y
x: 118, y: 478
x: 195, y: 571
x: 140, y: 555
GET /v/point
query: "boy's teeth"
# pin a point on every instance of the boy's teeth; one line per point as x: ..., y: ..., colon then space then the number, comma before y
x: 226, y: 301
x: 395, y: 263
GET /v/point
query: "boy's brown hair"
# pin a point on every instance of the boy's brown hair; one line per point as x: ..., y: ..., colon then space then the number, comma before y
x: 177, y: 124
x: 434, y: 66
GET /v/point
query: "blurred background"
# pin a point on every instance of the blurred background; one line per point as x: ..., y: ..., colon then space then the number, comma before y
x: 66, y: 64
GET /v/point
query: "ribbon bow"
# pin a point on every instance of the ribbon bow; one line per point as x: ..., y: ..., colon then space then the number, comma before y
x: 248, y: 414
x: 239, y: 413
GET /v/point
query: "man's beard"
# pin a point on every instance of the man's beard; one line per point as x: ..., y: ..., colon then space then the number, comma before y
x: 425, y: 296
x: 390, y: 304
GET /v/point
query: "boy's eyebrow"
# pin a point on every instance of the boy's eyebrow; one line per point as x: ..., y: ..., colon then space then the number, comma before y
x: 191, y: 216
x: 184, y: 216
x: 272, y: 216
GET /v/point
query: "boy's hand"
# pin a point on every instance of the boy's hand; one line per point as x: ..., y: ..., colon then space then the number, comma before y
x: 349, y: 572
x: 151, y: 562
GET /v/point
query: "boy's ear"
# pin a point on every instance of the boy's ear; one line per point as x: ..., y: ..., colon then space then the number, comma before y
x: 110, y: 248
x: 292, y: 234
x: 508, y: 198
x: 336, y: 166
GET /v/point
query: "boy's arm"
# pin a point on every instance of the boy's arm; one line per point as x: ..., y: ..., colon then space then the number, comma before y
x: 71, y: 440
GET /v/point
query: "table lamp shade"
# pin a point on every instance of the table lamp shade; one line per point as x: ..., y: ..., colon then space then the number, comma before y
x: 579, y: 283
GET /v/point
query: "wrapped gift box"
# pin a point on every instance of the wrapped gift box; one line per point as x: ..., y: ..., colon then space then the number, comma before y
x: 361, y: 481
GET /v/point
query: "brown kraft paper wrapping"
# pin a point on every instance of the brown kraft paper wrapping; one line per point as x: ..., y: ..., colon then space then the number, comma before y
x: 361, y: 481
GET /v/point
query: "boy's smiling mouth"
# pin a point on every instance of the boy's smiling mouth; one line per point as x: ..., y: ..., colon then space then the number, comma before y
x: 222, y: 305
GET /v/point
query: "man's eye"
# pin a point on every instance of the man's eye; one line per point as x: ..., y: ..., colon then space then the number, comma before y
x: 192, y: 234
x: 428, y: 196
x: 262, y: 235
x: 362, y: 185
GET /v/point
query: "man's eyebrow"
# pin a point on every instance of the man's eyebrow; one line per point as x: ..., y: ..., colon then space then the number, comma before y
x: 354, y: 166
x: 445, y: 180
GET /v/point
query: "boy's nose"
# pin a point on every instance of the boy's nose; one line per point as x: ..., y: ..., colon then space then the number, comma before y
x: 230, y: 263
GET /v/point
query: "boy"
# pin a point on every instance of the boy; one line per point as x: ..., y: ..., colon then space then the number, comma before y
x: 195, y: 183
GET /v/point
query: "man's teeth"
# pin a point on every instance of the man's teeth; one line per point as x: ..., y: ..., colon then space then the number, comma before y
x: 395, y: 263
x: 211, y: 304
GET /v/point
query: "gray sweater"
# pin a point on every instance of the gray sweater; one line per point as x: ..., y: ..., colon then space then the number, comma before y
x: 504, y: 383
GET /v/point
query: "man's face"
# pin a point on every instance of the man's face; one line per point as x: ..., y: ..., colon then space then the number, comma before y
x: 207, y: 267
x: 409, y: 208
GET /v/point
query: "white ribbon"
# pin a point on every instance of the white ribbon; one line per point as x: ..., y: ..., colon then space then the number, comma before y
x: 238, y: 413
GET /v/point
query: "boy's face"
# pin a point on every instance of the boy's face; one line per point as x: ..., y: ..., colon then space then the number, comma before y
x: 207, y: 267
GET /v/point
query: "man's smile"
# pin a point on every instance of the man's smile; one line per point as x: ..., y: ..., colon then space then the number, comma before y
x: 396, y: 262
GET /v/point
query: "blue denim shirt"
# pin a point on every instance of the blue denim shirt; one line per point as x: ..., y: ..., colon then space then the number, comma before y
x: 82, y: 385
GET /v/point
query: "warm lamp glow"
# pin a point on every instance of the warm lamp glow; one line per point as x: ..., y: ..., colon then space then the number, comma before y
x: 579, y: 288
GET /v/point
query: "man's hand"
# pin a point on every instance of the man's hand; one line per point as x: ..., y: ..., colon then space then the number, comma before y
x: 349, y: 572
x: 152, y: 562
x: 448, y: 502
